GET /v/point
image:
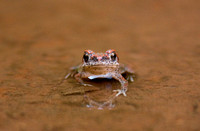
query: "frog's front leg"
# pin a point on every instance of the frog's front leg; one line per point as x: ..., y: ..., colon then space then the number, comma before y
x: 80, y: 80
x: 124, y: 84
x: 73, y: 71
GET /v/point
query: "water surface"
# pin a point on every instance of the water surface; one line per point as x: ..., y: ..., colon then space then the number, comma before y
x: 41, y: 40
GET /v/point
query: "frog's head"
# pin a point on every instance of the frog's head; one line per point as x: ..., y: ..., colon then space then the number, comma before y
x: 108, y: 58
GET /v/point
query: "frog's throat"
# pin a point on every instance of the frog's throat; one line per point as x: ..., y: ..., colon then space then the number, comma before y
x: 99, y: 70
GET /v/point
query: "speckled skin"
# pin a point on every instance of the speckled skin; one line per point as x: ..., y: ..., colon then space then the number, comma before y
x: 102, y: 65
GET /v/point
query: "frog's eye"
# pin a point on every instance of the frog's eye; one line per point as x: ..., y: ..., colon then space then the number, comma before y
x: 85, y: 57
x: 113, y: 56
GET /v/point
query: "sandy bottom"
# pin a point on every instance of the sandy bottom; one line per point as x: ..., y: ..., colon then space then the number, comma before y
x: 41, y: 40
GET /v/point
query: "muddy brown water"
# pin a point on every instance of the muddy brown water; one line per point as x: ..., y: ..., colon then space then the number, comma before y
x: 41, y: 40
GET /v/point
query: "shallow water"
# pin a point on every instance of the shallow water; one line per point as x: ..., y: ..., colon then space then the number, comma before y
x: 40, y: 41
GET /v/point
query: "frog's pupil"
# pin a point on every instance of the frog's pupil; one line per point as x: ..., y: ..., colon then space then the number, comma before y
x: 113, y: 57
x: 85, y: 57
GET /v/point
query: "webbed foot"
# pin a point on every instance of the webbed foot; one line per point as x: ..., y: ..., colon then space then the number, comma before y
x: 120, y: 91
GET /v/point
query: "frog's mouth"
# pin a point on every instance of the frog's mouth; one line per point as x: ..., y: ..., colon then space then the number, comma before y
x: 101, y: 64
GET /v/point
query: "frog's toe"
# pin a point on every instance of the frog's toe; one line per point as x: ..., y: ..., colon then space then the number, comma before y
x: 120, y: 91
x: 128, y: 78
x: 86, y: 84
x: 131, y: 79
x: 68, y: 75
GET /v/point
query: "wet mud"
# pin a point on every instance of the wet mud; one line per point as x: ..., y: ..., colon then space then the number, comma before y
x: 41, y: 40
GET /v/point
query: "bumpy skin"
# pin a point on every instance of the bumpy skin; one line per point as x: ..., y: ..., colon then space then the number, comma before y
x: 102, y: 65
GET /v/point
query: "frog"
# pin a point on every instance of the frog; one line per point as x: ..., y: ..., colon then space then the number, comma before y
x: 102, y: 65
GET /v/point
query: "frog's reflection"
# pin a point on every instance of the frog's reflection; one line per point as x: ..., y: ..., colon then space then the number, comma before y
x: 99, y: 95
x: 103, y: 96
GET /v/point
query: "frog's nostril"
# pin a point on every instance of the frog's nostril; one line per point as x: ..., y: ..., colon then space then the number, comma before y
x: 104, y: 58
x: 99, y: 58
x: 94, y: 58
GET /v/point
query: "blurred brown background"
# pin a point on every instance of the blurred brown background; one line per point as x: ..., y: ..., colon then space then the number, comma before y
x: 40, y: 40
